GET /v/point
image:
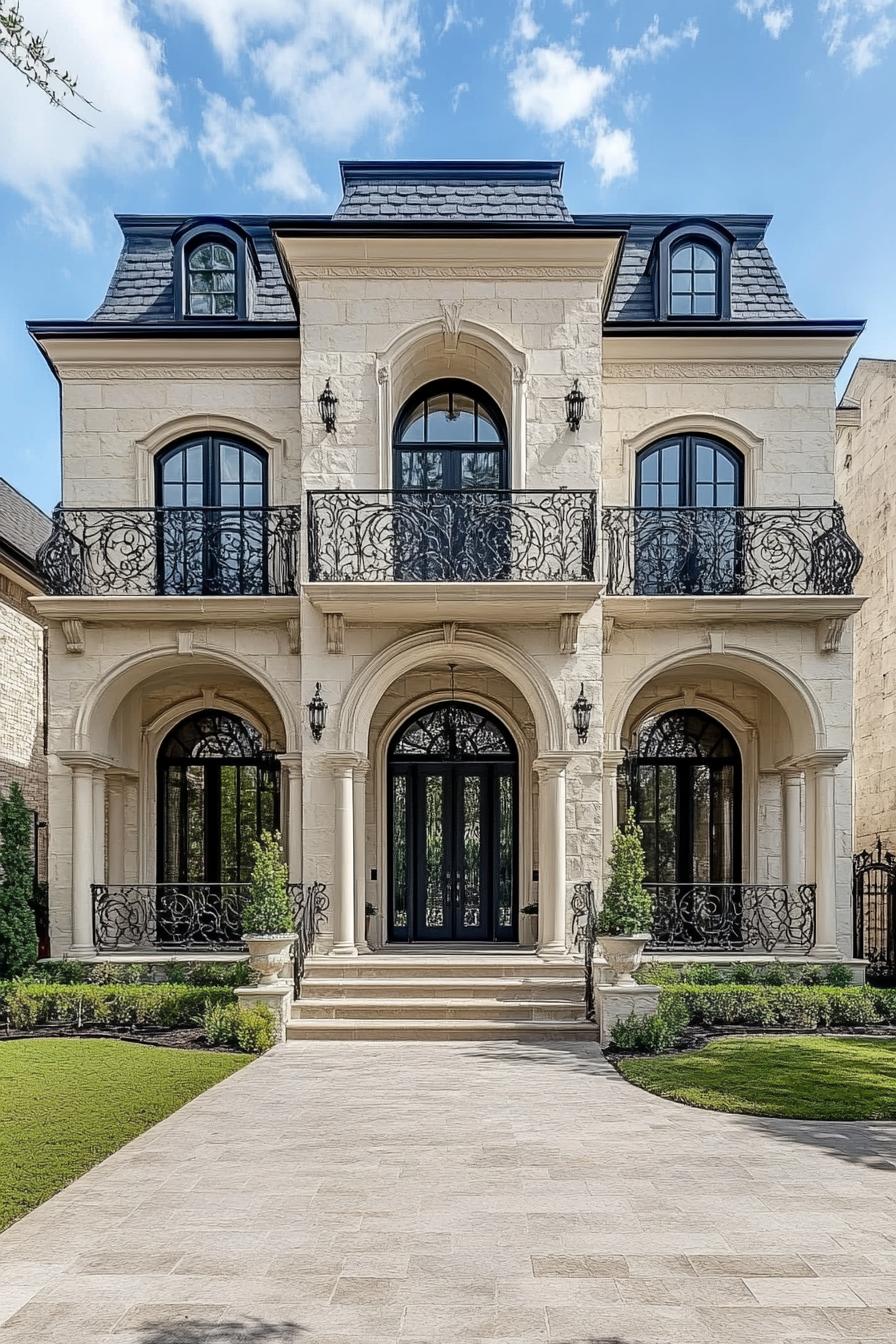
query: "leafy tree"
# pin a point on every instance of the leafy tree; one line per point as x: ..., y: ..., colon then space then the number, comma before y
x: 628, y: 906
x: 268, y: 909
x: 27, y: 53
x: 18, y: 938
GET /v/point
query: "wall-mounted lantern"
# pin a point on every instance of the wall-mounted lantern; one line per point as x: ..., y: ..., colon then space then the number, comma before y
x: 317, y: 714
x: 581, y: 716
x: 575, y: 406
x: 327, y: 403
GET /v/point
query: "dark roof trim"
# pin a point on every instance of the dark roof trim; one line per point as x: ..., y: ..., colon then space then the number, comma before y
x: 449, y: 170
x: 211, y: 225
x: 23, y: 564
x: 737, y: 327
x: 185, y: 329
x: 312, y: 226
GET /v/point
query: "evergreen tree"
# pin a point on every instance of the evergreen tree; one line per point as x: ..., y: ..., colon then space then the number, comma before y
x: 18, y: 938
x: 268, y: 910
x: 628, y: 906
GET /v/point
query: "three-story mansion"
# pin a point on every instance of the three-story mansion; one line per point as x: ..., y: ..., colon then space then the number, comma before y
x: 435, y: 533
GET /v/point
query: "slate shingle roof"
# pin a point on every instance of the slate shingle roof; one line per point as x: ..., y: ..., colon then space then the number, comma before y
x: 23, y: 526
x: 397, y: 192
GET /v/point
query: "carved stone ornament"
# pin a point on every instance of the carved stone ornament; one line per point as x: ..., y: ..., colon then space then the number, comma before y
x: 294, y: 633
x: 569, y: 631
x: 451, y: 322
x: 829, y: 634
x: 607, y: 633
x: 335, y: 632
x: 73, y: 634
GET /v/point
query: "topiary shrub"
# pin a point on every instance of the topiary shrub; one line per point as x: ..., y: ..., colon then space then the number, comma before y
x: 268, y: 910
x: 18, y: 933
x: 648, y: 1035
x: 627, y: 906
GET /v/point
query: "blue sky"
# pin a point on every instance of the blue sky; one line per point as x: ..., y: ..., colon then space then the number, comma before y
x: 230, y: 106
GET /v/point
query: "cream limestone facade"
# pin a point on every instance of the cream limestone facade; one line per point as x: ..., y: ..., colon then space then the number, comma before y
x: 866, y: 421
x: 382, y: 314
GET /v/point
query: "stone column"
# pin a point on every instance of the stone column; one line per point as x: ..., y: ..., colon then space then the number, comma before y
x: 791, y: 795
x: 359, y: 793
x: 822, y: 840
x: 99, y: 825
x: 84, y: 846
x: 342, y: 905
x: 551, y: 769
x: 291, y: 771
x: 609, y: 804
x: 117, y: 784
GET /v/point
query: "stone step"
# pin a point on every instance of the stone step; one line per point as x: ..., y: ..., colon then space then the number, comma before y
x: 445, y: 1009
x: 569, y: 989
x: 433, y: 1029
x: 407, y: 966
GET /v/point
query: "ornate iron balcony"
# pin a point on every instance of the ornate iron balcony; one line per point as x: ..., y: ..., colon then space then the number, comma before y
x: 732, y: 917
x: 174, y: 552
x: 466, y: 536
x: 722, y: 551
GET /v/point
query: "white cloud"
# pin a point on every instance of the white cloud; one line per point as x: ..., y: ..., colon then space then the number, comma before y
x: 523, y: 27
x: 614, y: 152
x: 240, y: 137
x: 551, y: 88
x: 120, y: 68
x: 231, y: 24
x: 776, y: 18
x: 457, y: 93
x: 858, y: 30
x: 652, y: 44
x: 454, y: 17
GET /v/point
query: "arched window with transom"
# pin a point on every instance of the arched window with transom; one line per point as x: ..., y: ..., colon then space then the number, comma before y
x: 686, y: 778
x: 691, y: 267
x: 694, y: 279
x: 210, y: 279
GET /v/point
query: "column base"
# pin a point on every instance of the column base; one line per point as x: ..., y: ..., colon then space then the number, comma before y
x: 553, y: 952
x: 826, y: 954
x: 81, y: 952
x: 343, y: 950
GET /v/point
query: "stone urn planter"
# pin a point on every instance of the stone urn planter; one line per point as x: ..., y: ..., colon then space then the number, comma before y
x: 623, y: 953
x: 269, y: 955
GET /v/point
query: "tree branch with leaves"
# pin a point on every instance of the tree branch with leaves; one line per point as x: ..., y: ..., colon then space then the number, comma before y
x: 27, y: 52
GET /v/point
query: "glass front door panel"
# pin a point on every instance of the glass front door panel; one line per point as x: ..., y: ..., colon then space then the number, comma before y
x: 470, y: 875
x: 399, y: 849
x: 435, y: 875
x: 506, y: 802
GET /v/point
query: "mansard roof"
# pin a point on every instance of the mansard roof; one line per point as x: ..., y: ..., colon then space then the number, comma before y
x: 491, y: 196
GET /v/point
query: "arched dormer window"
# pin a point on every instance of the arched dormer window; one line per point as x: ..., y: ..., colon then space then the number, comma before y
x: 692, y: 272
x: 215, y: 264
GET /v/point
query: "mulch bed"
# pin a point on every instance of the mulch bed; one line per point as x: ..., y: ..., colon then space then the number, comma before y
x: 177, y: 1038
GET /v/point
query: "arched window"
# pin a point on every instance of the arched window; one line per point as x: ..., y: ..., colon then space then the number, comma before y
x: 694, y: 280
x: 211, y: 492
x: 217, y: 791
x: 452, y: 826
x: 691, y: 265
x: 211, y: 279
x: 686, y: 782
x: 687, y: 533
x: 450, y: 435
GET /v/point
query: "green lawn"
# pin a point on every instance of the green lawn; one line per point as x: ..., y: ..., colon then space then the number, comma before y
x: 801, y: 1077
x: 67, y: 1104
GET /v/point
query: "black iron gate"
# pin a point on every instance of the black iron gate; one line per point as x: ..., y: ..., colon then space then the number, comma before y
x: 874, y: 912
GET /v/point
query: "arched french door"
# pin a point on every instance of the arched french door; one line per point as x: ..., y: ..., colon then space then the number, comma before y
x: 687, y: 791
x: 688, y: 532
x: 217, y: 791
x: 211, y: 496
x: 451, y: 472
x: 452, y: 827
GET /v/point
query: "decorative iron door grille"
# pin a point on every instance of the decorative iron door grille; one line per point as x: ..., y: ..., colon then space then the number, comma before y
x: 874, y: 910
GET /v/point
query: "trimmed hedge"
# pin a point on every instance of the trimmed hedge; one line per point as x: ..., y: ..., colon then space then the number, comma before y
x: 230, y: 974
x: 743, y: 973
x: 24, y: 1004
x: 793, y: 1007
x: 253, y: 1032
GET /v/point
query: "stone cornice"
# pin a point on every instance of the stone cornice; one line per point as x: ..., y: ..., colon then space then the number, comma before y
x: 708, y: 371
x: 93, y: 356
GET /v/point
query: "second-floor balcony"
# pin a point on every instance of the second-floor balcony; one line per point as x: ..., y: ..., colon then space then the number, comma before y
x: 728, y: 552
x: 172, y: 552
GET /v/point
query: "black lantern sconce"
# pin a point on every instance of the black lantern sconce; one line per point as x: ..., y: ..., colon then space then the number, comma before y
x: 327, y: 403
x: 581, y: 716
x: 317, y: 714
x: 575, y: 406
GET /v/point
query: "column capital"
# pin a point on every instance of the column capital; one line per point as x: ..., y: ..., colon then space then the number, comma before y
x: 122, y: 774
x: 290, y: 761
x: 551, y: 763
x: 82, y: 762
x: 822, y: 762
x: 612, y: 761
x: 342, y: 763
x: 361, y: 770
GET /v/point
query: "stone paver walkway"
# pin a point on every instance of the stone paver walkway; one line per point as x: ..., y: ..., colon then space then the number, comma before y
x: 382, y: 1192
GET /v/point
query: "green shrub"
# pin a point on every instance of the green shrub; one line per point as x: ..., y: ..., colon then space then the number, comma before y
x: 256, y: 1030
x: 219, y: 1023
x: 744, y: 973
x: 657, y: 973
x: 18, y: 932
x: 884, y: 1003
x: 791, y: 1006
x: 202, y: 974
x: 701, y: 973
x: 628, y: 905
x: 777, y: 973
x: 268, y: 910
x: 28, y: 1005
x: 232, y: 974
x: 839, y: 975
x: 648, y: 1035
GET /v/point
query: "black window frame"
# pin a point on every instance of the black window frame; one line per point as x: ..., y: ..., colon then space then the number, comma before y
x: 452, y: 447
x: 700, y: 233
x: 688, y: 444
x: 197, y: 234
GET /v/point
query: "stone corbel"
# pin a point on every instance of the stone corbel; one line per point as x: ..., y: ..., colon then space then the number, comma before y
x: 73, y: 634
x: 607, y: 633
x: 294, y: 633
x: 185, y: 641
x: 335, y: 632
x: 569, y: 631
x: 449, y: 631
x: 829, y: 634
x: 451, y: 322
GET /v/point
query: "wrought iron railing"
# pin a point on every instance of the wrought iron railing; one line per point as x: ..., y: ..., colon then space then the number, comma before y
x: 195, y: 917
x: 718, y: 551
x: 172, y: 551
x: 584, y: 933
x: 874, y: 912
x: 732, y: 917
x: 467, y: 536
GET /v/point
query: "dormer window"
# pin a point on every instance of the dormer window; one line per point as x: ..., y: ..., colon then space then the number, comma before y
x: 692, y: 272
x: 216, y: 269
x: 211, y: 280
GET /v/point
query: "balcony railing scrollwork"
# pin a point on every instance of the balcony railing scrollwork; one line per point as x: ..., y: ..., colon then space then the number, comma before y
x: 216, y: 551
x: 467, y: 536
x: 719, y: 551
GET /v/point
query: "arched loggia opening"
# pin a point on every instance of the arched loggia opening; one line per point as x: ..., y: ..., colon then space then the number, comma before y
x: 452, y: 826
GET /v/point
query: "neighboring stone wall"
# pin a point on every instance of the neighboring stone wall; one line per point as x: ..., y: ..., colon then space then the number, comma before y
x: 22, y: 691
x: 866, y: 487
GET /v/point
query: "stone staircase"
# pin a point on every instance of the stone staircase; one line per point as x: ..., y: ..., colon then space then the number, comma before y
x: 459, y: 995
